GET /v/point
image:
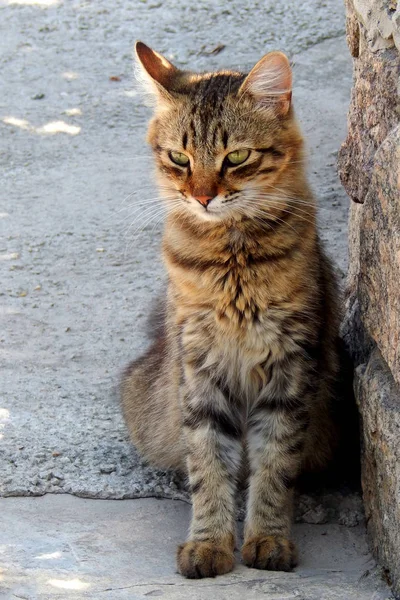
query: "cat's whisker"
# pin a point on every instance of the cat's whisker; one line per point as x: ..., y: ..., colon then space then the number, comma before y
x: 162, y: 195
x: 138, y: 208
x: 156, y: 209
x: 141, y: 194
x: 281, y: 191
x: 290, y: 212
x: 148, y: 157
x: 131, y: 233
x: 293, y: 203
x: 259, y: 195
x: 296, y: 162
x: 134, y: 235
x: 156, y: 224
x: 130, y: 210
x: 139, y: 203
x: 135, y: 193
x: 258, y: 212
x: 276, y: 202
x: 150, y: 185
x: 157, y: 217
x: 176, y: 216
x: 142, y: 210
x: 144, y: 202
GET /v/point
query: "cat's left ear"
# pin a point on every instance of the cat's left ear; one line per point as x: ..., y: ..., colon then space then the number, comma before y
x: 270, y: 82
x: 155, y: 72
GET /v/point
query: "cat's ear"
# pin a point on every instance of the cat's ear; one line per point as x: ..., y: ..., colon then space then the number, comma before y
x: 270, y: 82
x: 154, y: 72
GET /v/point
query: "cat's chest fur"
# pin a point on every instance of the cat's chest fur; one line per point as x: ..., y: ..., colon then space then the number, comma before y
x: 236, y: 314
x: 235, y: 274
x: 244, y: 361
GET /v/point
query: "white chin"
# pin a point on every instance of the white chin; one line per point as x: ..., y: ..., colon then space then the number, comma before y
x: 208, y: 215
x: 218, y: 215
x: 205, y: 214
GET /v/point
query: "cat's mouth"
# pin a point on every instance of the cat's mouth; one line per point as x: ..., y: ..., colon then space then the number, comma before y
x: 221, y: 206
x: 214, y: 208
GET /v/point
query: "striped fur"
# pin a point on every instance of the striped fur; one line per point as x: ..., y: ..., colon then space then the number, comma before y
x: 243, y: 362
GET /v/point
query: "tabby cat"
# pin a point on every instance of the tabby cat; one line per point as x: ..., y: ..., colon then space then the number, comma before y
x: 239, y: 380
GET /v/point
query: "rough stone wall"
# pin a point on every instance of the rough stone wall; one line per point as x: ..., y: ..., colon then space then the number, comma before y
x: 369, y: 166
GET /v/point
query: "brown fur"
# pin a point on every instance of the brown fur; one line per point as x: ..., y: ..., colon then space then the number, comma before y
x: 270, y: 552
x: 244, y: 361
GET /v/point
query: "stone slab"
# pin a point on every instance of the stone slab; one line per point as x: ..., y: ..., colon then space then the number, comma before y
x: 57, y: 547
x: 379, y: 400
x: 378, y: 287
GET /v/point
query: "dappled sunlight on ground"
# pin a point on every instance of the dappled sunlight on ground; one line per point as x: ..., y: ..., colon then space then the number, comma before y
x: 59, y: 127
x: 131, y: 93
x: 9, y: 256
x: 41, y: 3
x: 50, y: 556
x: 7, y: 310
x: 4, y: 414
x: 72, y: 584
x: 49, y: 128
x: 21, y: 123
x: 4, y: 417
x: 73, y: 112
x: 70, y: 75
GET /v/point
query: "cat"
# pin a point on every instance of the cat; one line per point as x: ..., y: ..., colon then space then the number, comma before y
x: 239, y: 380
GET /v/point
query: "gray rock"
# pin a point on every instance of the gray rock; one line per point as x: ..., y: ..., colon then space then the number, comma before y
x: 317, y: 515
x: 369, y: 167
x: 378, y: 398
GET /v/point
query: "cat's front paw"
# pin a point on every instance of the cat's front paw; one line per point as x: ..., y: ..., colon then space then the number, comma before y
x: 204, y: 559
x: 270, y: 552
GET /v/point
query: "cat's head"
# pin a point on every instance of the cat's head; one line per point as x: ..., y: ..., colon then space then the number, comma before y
x: 225, y: 143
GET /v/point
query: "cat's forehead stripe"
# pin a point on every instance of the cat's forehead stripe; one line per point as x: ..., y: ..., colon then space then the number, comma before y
x: 207, y: 97
x: 214, y: 136
x: 193, y: 130
x: 221, y: 84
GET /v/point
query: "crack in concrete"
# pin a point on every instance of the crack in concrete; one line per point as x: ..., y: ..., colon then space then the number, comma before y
x: 250, y: 582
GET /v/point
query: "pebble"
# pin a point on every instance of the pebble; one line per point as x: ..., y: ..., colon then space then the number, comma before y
x: 316, y: 516
x: 55, y: 481
x: 350, y: 518
x: 107, y: 468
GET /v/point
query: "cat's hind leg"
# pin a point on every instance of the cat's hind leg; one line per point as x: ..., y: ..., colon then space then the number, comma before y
x: 149, y: 398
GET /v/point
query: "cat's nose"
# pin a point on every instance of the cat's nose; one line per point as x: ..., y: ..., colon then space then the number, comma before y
x: 204, y: 200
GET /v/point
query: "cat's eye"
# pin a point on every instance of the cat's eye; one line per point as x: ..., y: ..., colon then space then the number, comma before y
x: 179, y: 158
x: 237, y: 157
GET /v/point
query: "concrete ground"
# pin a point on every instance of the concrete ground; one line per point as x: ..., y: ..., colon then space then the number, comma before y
x: 65, y: 547
x: 79, y: 255
x: 79, y: 249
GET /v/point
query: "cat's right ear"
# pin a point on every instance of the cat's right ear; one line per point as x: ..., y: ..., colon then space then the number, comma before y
x: 155, y: 73
x: 270, y: 83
